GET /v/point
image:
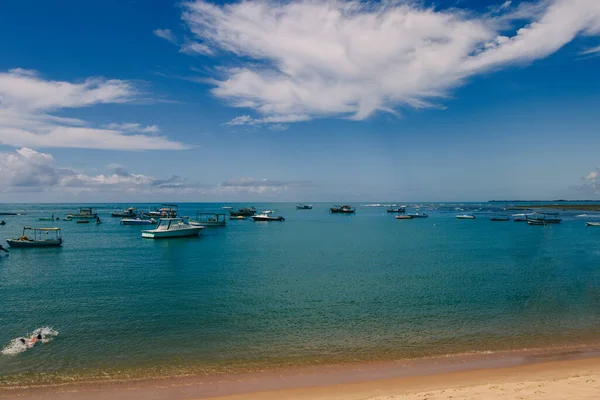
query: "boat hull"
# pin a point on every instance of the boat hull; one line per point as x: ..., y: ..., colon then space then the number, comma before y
x: 34, y: 243
x: 418, y: 215
x: 336, y: 211
x: 592, y: 223
x: 499, y: 219
x: 403, y: 217
x: 208, y: 224
x: 256, y: 218
x: 155, y: 234
x: 137, y: 222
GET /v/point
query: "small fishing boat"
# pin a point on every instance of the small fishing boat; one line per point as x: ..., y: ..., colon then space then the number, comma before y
x: 2, y: 222
x: 164, y: 211
x: 234, y: 217
x: 499, y: 219
x: 172, y: 228
x: 130, y: 212
x: 304, y: 207
x: 418, y: 215
x: 243, y: 212
x: 465, y: 216
x: 400, y: 209
x: 68, y: 219
x: 519, y: 217
x: 345, y: 209
x: 209, y: 219
x: 592, y: 223
x: 83, y: 214
x: 266, y: 216
x: 543, y: 218
x: 403, y: 217
x: 138, y: 221
x: 38, y: 238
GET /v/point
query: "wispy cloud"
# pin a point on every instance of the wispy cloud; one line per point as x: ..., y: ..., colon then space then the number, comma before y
x: 352, y: 59
x: 27, y: 102
x: 166, y: 34
x: 193, y: 48
x: 591, y: 51
x: 134, y: 127
x: 254, y: 186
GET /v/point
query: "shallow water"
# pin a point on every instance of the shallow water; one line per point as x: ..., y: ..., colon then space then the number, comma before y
x: 316, y: 288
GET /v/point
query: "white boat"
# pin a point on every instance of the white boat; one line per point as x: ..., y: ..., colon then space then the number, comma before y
x: 465, y: 216
x: 209, y: 219
x: 38, y: 238
x: 304, y: 207
x: 172, y: 227
x: 138, y: 221
x: 266, y: 216
x: 592, y: 223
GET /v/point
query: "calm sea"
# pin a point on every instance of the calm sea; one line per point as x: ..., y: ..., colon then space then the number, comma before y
x: 317, y: 288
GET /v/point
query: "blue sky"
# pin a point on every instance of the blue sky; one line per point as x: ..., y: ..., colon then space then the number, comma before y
x: 303, y: 101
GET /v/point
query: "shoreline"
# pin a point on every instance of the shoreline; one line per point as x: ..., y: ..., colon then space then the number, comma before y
x: 330, y: 381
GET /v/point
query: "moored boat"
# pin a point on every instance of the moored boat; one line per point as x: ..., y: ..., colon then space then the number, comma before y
x: 403, y: 217
x: 243, y: 212
x: 209, y: 219
x: 499, y: 219
x: 519, y: 217
x: 418, y: 215
x: 304, y: 207
x: 543, y: 218
x: 130, y: 212
x: 266, y: 216
x: 84, y: 213
x: 400, y: 209
x: 345, y: 209
x: 172, y: 228
x: 237, y: 217
x: 465, y: 216
x: 38, y: 238
x: 164, y: 211
x: 592, y: 223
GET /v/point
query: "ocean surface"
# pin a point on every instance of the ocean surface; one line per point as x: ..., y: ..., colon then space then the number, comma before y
x: 317, y: 288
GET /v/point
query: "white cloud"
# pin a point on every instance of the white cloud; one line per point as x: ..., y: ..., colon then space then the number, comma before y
x: 166, y: 34
x: 27, y: 101
x: 193, y: 48
x: 352, y: 59
x: 133, y: 127
x: 593, y: 50
x: 254, y: 186
x: 276, y: 119
x: 29, y: 170
x: 591, y: 184
x: 592, y: 176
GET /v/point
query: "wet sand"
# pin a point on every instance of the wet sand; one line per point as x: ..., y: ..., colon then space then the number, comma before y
x: 517, y: 375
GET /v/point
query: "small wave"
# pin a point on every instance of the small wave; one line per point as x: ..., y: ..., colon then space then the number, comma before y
x: 16, y: 346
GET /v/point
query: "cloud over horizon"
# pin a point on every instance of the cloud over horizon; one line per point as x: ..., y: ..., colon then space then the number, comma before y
x: 27, y: 170
x: 27, y: 102
x: 351, y: 59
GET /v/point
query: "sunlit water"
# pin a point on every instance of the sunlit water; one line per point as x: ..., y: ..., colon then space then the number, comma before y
x: 316, y: 288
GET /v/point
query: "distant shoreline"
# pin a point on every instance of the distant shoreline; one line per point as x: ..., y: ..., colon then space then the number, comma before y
x: 563, y: 207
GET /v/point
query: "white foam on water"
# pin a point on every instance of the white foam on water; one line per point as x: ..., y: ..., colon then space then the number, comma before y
x: 16, y: 346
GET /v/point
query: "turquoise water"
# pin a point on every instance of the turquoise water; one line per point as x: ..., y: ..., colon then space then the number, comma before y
x: 316, y: 288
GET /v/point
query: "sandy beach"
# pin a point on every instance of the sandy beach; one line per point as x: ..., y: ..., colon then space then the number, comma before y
x: 569, y: 375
